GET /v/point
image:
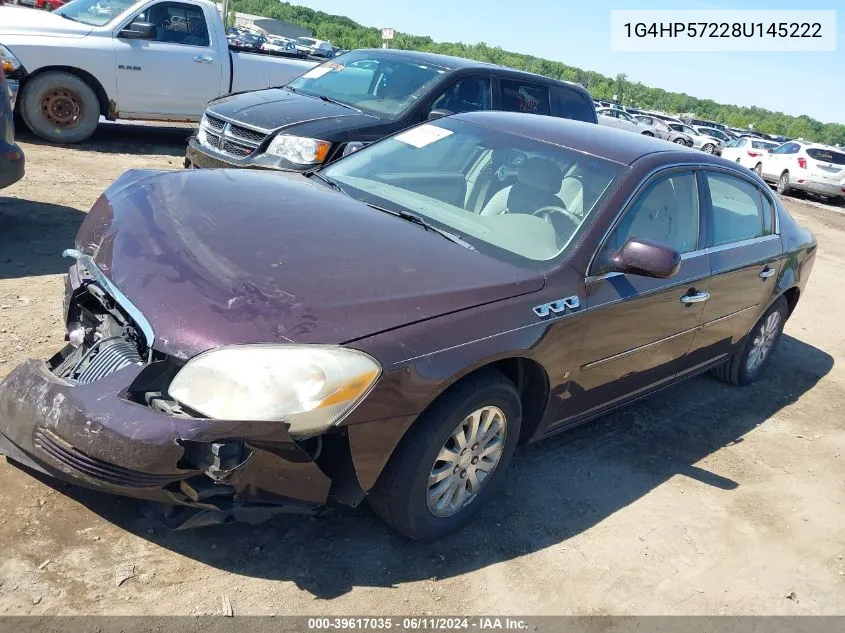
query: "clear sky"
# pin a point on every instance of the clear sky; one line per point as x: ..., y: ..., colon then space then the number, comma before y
x: 577, y: 33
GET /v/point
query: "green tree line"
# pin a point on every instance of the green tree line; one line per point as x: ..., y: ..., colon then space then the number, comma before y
x: 345, y: 33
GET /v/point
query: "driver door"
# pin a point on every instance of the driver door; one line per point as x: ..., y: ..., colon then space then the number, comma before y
x: 641, y: 328
x: 173, y: 75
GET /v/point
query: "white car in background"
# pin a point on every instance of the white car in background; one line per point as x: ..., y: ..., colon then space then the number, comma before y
x: 804, y: 166
x: 612, y: 117
x: 748, y: 151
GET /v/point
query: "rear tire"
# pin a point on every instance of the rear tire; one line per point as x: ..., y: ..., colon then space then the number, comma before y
x: 758, y: 169
x: 783, y: 184
x: 60, y: 107
x: 738, y: 370
x: 405, y: 495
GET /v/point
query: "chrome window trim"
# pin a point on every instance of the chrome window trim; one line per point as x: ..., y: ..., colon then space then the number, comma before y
x: 767, y: 194
x: 646, y: 180
x: 114, y: 292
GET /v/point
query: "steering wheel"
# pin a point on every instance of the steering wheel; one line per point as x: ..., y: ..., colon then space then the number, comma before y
x: 546, y: 212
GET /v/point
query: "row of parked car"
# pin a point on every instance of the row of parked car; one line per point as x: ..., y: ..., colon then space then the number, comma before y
x: 248, y: 40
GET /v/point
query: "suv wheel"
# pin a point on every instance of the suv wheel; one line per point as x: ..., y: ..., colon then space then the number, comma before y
x: 708, y: 148
x: 451, y: 460
x: 783, y: 184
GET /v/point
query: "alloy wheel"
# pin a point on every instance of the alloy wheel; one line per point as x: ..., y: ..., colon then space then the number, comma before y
x: 708, y: 148
x: 466, y: 461
x: 763, y: 342
x: 680, y: 141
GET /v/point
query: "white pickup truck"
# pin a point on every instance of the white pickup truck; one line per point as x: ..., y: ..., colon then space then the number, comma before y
x: 127, y: 59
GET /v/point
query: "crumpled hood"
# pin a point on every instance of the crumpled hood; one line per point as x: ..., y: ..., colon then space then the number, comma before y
x: 277, y: 108
x: 23, y: 21
x: 223, y: 257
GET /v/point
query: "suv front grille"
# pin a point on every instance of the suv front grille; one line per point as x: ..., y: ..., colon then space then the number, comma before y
x: 233, y: 139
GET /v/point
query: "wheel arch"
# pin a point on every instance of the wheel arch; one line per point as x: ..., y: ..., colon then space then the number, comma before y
x: 106, y: 109
x: 529, y: 378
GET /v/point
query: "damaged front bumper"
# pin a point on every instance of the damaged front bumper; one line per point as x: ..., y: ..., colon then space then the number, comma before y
x: 94, y: 435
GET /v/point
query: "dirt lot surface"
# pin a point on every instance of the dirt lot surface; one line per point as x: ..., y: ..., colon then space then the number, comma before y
x: 702, y: 499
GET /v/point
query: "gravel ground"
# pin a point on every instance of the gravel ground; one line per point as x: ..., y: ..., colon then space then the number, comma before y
x: 704, y: 499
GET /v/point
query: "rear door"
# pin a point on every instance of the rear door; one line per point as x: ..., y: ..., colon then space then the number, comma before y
x: 640, y: 328
x: 745, y: 257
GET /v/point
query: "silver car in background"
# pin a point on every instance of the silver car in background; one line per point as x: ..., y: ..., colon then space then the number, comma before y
x: 663, y: 130
x: 707, y: 144
x: 613, y: 117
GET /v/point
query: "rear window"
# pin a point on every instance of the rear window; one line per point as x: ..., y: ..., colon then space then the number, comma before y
x: 571, y: 104
x: 763, y: 145
x: 826, y: 156
x: 518, y: 96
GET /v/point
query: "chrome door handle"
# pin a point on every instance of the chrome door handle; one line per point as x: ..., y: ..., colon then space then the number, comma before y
x: 767, y: 272
x: 696, y: 298
x: 204, y: 59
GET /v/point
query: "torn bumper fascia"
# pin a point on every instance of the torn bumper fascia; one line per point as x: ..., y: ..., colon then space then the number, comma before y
x: 91, y: 435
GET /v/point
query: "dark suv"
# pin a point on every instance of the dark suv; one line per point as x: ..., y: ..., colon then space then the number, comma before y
x: 362, y: 96
x: 11, y: 156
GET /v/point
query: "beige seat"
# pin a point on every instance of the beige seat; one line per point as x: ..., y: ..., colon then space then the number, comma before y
x: 538, y: 180
x: 572, y: 194
x: 650, y: 218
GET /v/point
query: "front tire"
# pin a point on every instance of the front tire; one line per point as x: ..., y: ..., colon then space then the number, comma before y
x: 680, y: 141
x: 783, y: 184
x: 60, y: 108
x: 748, y: 364
x: 708, y: 148
x: 453, y: 458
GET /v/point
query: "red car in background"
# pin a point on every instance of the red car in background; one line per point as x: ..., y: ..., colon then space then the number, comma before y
x: 49, y: 5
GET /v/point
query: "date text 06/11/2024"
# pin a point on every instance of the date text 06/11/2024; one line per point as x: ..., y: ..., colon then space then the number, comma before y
x: 428, y: 623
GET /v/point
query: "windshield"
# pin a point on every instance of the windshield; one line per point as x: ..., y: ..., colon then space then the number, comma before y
x: 94, y: 12
x: 382, y: 86
x: 514, y: 198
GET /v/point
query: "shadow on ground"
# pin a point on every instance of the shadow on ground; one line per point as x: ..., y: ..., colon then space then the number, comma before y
x: 33, y: 236
x: 556, y: 489
x: 127, y: 138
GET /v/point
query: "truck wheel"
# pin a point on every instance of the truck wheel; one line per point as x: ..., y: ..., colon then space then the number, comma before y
x: 60, y: 108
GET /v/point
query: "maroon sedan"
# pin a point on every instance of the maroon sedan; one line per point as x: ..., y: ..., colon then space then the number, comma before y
x: 392, y: 326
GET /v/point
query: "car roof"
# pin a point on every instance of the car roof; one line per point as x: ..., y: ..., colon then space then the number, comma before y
x: 619, y: 146
x: 460, y: 63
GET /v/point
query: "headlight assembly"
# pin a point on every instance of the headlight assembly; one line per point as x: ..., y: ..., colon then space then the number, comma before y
x: 8, y: 62
x: 299, y: 150
x: 310, y: 387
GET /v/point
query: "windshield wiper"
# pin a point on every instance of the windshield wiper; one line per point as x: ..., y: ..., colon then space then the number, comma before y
x: 315, y: 173
x: 336, y: 102
x: 405, y: 215
x: 67, y: 17
x: 415, y: 219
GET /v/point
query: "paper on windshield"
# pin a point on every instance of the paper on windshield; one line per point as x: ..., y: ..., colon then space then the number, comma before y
x: 316, y: 72
x: 423, y: 135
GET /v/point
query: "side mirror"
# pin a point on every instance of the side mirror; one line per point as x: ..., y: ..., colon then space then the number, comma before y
x: 646, y: 257
x: 139, y: 31
x: 439, y: 113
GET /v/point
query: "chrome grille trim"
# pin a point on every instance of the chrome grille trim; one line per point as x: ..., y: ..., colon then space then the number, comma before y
x: 231, y: 138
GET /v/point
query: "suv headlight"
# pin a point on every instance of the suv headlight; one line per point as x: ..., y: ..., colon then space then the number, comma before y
x: 299, y: 150
x: 8, y: 62
x: 311, y: 387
